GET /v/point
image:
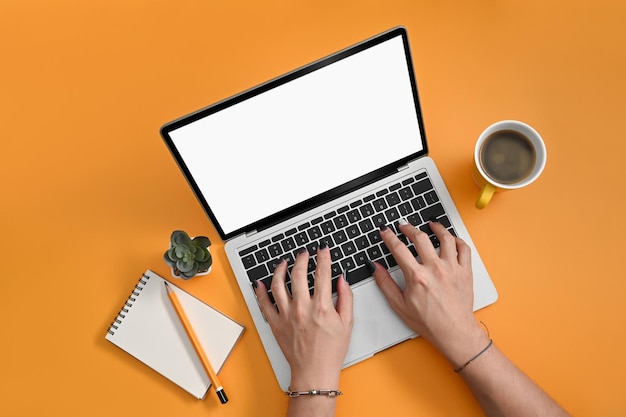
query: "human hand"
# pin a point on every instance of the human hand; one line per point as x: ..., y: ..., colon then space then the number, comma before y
x: 313, y: 334
x: 437, y: 302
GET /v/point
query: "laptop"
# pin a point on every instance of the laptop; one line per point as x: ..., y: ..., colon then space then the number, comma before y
x: 329, y: 151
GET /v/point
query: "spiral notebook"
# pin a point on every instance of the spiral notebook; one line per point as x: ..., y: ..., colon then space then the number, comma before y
x: 148, y: 328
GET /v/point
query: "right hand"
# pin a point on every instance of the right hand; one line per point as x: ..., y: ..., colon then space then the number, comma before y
x: 437, y: 302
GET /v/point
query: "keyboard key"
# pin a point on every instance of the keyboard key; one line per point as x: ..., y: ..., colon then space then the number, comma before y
x: 278, y: 237
x: 367, y: 210
x: 301, y: 239
x: 317, y: 220
x: 422, y: 186
x: 379, y: 220
x: 312, y: 248
x: 340, y: 237
x: 374, y: 252
x: 360, y: 258
x: 414, y: 219
x: 341, y: 221
x: 366, y: 226
x: 405, y: 209
x: 248, y: 261
x: 275, y: 250
x: 347, y: 263
x: 431, y: 197
x: 369, y: 198
x: 330, y: 215
x: 271, y: 265
x: 432, y: 212
x: 374, y: 237
x: 248, y: 250
x: 288, y: 244
x: 418, y: 203
x: 335, y: 253
x: 327, y: 227
x: 353, y: 231
x: 343, y: 209
x: 353, y: 216
x: 392, y: 199
x: 356, y: 203
x: 348, y: 248
x: 392, y: 215
x: 395, y: 186
x: 358, y: 274
x: 362, y: 242
x: 380, y: 204
x: 314, y: 233
x: 406, y: 193
x: 257, y: 273
x: 262, y: 256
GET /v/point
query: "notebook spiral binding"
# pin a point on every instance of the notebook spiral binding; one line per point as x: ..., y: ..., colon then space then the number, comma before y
x: 128, y: 304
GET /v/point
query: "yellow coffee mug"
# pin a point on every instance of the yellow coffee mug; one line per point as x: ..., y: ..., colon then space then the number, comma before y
x: 508, y: 155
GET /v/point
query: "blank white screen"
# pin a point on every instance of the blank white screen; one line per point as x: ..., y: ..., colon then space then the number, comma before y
x: 302, y: 138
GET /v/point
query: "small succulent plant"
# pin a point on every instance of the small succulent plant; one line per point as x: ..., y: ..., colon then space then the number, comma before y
x: 188, y: 256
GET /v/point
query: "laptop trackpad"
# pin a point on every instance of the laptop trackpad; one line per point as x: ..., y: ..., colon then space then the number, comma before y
x: 376, y: 325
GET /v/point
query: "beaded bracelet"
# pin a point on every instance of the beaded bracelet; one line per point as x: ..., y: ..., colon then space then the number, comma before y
x: 324, y: 392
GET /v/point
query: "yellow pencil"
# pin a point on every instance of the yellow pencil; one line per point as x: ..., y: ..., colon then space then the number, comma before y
x: 219, y: 390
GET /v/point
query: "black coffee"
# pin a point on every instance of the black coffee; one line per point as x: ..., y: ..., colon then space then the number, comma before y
x: 507, y: 156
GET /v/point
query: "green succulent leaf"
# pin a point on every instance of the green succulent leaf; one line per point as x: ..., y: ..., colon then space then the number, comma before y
x: 181, y: 251
x: 168, y: 260
x: 202, y: 241
x: 185, y: 266
x: 180, y: 237
x: 191, y: 273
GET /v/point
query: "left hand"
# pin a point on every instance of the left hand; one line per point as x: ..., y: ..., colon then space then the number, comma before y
x: 313, y: 334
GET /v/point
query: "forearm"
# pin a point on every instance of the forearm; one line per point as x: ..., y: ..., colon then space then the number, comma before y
x: 502, y: 389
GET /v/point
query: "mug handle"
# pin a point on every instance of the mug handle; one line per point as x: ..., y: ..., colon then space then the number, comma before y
x: 485, y: 195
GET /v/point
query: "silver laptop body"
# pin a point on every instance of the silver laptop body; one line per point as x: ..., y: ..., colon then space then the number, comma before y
x: 319, y: 150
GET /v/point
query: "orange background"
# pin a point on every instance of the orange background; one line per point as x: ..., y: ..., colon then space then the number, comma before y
x: 91, y: 194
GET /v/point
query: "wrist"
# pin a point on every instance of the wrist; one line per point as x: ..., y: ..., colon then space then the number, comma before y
x: 318, y: 381
x: 463, y: 345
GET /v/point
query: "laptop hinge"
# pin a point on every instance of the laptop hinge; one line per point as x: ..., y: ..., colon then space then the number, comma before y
x: 403, y: 167
x: 252, y: 232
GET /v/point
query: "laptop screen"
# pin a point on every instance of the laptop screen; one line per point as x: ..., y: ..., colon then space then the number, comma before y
x: 293, y: 139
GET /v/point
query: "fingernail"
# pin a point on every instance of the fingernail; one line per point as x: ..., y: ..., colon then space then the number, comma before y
x: 345, y: 275
x: 402, y: 221
x: 300, y: 251
x: 434, y: 220
x: 370, y: 266
x: 383, y: 227
x: 255, y: 284
x: 323, y: 244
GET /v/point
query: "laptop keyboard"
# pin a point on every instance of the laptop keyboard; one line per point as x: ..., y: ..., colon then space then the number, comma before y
x: 352, y: 233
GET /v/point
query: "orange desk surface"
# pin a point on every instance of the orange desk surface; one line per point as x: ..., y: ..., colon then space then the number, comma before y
x: 90, y: 193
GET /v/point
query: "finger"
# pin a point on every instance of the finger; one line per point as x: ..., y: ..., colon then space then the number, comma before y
x: 388, y: 286
x: 299, y: 283
x: 323, y: 287
x: 265, y: 303
x: 278, y: 286
x: 447, y: 247
x: 345, y: 301
x: 424, y: 247
x: 464, y: 253
x: 398, y: 249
